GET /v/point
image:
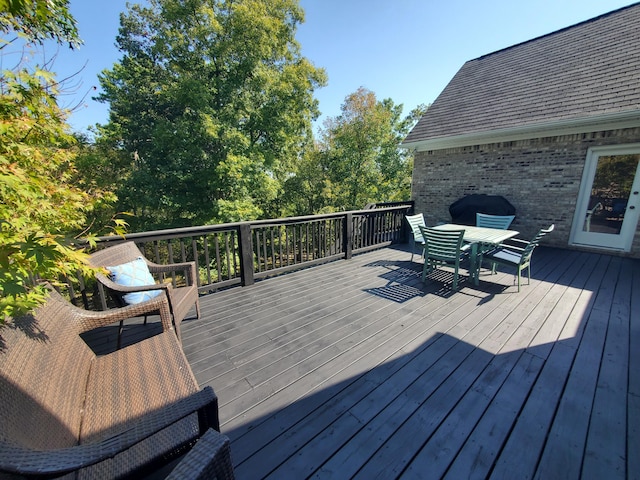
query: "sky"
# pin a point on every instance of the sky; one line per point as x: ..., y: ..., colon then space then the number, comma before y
x: 405, y: 50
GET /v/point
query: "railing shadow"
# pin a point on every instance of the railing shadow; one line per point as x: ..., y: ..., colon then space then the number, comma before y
x: 399, y: 417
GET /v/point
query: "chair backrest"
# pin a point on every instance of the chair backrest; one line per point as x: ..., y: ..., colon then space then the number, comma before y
x: 115, y: 255
x: 494, y: 221
x: 528, y: 250
x: 44, y: 367
x: 442, y: 245
x: 415, y: 222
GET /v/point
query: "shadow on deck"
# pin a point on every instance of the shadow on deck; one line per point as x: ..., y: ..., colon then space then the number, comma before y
x: 356, y: 369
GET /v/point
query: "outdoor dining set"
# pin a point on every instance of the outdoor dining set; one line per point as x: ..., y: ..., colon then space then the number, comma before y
x: 489, y: 240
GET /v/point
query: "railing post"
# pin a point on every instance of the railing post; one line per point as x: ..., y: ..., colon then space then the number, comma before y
x: 347, y: 236
x: 246, y: 255
x: 405, y: 231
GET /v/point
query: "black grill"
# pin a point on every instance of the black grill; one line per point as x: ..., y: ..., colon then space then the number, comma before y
x: 463, y: 211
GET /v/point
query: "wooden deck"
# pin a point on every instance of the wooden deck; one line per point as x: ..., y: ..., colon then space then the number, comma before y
x: 356, y: 369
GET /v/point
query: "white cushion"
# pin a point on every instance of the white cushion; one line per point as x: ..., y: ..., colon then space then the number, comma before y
x: 134, y: 274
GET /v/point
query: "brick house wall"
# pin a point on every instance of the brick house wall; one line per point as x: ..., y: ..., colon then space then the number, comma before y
x: 540, y: 177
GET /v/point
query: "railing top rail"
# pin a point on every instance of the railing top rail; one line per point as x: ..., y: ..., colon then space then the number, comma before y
x: 324, y: 216
x: 205, y: 229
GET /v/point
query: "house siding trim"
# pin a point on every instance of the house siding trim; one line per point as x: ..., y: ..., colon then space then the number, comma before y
x: 616, y: 121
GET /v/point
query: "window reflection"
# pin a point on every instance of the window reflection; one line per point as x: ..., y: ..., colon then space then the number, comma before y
x: 610, y: 193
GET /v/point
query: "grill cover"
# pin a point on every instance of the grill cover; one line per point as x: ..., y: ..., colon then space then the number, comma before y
x: 463, y: 211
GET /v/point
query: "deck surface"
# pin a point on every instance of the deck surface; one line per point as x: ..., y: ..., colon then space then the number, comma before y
x: 356, y: 369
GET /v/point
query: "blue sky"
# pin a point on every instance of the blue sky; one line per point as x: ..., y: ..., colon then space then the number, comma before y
x: 406, y: 50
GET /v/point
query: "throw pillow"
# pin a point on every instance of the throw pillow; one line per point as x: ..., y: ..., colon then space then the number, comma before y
x: 134, y: 274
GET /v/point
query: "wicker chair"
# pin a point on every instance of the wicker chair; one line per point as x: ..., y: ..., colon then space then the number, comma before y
x: 64, y: 410
x: 181, y: 299
x: 210, y: 459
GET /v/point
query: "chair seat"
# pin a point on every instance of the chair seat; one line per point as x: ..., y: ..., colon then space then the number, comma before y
x: 461, y: 257
x: 504, y: 255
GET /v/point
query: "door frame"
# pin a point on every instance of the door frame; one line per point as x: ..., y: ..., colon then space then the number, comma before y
x: 624, y: 240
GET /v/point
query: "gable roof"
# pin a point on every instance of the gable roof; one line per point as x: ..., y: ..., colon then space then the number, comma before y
x: 573, y: 80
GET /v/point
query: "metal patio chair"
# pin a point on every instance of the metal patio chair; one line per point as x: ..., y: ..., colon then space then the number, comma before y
x: 443, y: 247
x: 494, y: 221
x: 415, y: 222
x: 517, y: 255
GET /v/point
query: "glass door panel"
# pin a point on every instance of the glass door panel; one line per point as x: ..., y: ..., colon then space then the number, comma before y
x: 607, y: 211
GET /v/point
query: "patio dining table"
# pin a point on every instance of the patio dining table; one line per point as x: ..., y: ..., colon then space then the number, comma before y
x: 481, y: 239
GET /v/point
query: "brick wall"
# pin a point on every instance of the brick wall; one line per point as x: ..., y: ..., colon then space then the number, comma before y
x: 540, y: 177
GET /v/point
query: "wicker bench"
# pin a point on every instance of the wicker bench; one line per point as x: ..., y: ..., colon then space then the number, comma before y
x: 65, y: 410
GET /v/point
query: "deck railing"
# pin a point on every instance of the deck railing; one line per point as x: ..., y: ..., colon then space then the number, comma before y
x: 239, y: 253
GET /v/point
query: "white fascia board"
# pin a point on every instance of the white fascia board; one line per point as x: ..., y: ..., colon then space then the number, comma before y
x: 628, y: 119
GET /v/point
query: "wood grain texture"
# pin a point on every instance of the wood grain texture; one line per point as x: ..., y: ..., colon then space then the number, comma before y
x: 356, y: 369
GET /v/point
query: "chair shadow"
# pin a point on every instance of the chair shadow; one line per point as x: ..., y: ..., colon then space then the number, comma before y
x: 103, y: 340
x: 405, y: 282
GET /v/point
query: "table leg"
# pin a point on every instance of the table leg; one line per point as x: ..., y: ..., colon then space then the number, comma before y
x: 475, y: 270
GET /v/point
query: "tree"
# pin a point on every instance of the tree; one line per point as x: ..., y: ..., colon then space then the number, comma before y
x: 38, y: 20
x: 306, y: 192
x: 211, y: 104
x: 359, y: 156
x: 41, y: 208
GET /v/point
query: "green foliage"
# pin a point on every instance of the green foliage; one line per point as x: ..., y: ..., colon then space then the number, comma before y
x: 210, y: 106
x: 96, y: 169
x: 41, y: 207
x: 307, y: 192
x: 37, y: 20
x: 358, y: 159
x: 614, y: 175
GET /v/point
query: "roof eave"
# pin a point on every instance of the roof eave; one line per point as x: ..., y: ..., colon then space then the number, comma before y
x: 612, y: 121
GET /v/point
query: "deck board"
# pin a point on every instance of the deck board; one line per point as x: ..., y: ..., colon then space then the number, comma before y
x: 356, y: 369
x: 606, y: 440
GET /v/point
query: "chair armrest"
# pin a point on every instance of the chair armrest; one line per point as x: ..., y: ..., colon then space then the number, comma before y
x: 188, y: 267
x: 466, y: 246
x: 209, y: 458
x: 86, y: 320
x: 513, y: 248
x: 20, y: 460
x: 107, y: 282
x: 514, y: 243
x: 90, y: 319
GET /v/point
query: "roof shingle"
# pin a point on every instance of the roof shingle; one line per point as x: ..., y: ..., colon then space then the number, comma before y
x: 583, y: 71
